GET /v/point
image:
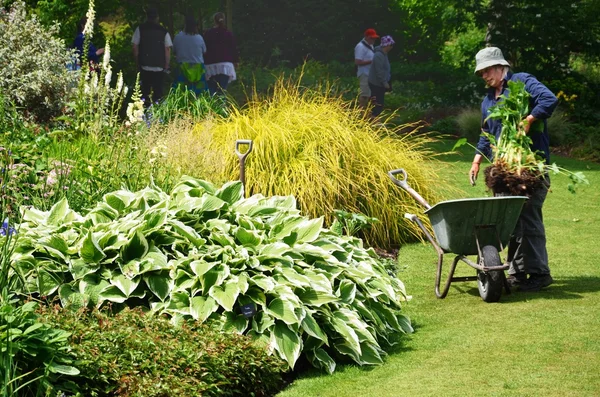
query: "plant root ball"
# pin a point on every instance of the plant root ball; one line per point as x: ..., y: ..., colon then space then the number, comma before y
x: 502, y: 181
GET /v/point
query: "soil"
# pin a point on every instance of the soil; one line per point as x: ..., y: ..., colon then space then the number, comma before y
x: 504, y: 182
x: 392, y: 253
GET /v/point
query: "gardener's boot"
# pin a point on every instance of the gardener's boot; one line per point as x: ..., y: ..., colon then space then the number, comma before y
x: 517, y: 279
x: 536, y: 282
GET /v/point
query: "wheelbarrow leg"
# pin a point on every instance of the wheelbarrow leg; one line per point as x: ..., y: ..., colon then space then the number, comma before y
x: 438, y: 277
x: 440, y: 252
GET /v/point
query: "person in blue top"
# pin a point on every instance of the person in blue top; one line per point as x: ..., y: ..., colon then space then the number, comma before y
x: 527, y: 253
x: 93, y: 53
x: 189, y: 49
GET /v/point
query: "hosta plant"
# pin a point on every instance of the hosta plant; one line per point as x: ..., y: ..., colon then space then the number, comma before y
x: 252, y: 265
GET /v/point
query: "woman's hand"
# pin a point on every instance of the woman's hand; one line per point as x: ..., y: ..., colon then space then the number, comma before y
x: 474, y: 172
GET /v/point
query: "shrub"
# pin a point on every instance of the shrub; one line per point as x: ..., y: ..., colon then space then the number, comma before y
x: 446, y: 126
x: 324, y: 152
x: 136, y: 354
x: 587, y: 144
x: 251, y: 265
x: 469, y: 124
x: 559, y: 129
x: 33, y: 71
x: 11, y: 120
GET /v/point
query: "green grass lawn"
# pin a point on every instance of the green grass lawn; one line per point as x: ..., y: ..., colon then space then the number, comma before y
x: 530, y: 344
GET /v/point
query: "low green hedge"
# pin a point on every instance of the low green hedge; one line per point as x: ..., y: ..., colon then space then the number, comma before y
x: 134, y: 354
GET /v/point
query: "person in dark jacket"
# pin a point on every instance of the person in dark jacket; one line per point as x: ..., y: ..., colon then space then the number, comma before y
x: 221, y: 55
x: 527, y: 253
x: 79, y: 42
x: 380, y: 73
x: 152, y: 52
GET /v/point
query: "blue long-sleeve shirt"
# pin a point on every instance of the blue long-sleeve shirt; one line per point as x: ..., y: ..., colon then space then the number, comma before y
x: 78, y: 45
x: 541, y: 104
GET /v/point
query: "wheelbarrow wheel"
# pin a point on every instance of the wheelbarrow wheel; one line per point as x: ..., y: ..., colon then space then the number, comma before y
x: 490, y: 284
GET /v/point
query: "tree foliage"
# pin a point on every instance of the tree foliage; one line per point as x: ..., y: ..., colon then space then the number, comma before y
x: 294, y: 30
x: 540, y: 36
x: 535, y: 35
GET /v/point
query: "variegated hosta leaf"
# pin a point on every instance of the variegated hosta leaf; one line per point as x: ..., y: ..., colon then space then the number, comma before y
x: 231, y: 192
x: 201, y: 307
x: 90, y: 249
x: 319, y: 358
x: 283, y: 310
x: 225, y: 294
x: 160, y: 284
x: 287, y: 342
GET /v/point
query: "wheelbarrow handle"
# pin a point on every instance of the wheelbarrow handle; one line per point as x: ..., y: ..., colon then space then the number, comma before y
x: 404, y: 185
x: 240, y: 142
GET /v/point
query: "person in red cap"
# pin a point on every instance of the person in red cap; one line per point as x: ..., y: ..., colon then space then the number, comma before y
x: 363, y: 56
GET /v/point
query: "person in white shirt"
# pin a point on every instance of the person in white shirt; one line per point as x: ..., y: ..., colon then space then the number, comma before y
x: 363, y: 56
x: 152, y: 52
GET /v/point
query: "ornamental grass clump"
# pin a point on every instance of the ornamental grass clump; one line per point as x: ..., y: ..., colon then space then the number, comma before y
x: 516, y: 168
x: 323, y: 151
x: 248, y: 265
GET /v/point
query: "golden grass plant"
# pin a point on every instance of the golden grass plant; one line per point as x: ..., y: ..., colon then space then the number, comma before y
x: 319, y: 148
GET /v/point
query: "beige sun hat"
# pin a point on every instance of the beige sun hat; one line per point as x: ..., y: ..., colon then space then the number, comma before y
x: 489, y: 56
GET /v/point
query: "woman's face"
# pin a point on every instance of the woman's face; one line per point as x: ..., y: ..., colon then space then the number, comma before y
x: 493, y: 75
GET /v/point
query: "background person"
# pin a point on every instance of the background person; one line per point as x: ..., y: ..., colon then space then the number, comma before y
x: 78, y: 43
x: 152, y: 52
x: 221, y: 55
x: 527, y: 253
x: 363, y: 56
x: 380, y: 73
x: 189, y: 50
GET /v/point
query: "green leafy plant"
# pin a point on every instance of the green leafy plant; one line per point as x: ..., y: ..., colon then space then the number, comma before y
x: 351, y: 223
x: 254, y: 266
x: 136, y: 353
x: 182, y: 102
x: 35, y: 356
x: 516, y: 168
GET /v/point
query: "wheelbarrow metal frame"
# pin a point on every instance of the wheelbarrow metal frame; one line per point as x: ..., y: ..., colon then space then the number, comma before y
x: 479, y: 230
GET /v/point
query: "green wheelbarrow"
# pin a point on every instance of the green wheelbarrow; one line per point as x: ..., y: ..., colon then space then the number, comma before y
x: 478, y: 226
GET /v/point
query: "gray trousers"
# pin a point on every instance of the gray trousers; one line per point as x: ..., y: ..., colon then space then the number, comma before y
x: 527, y: 247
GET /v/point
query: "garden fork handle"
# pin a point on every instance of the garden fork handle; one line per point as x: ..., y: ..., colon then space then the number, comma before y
x: 404, y: 185
x: 242, y: 157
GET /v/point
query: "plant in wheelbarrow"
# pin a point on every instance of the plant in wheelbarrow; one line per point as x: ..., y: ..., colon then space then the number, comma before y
x: 516, y: 168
